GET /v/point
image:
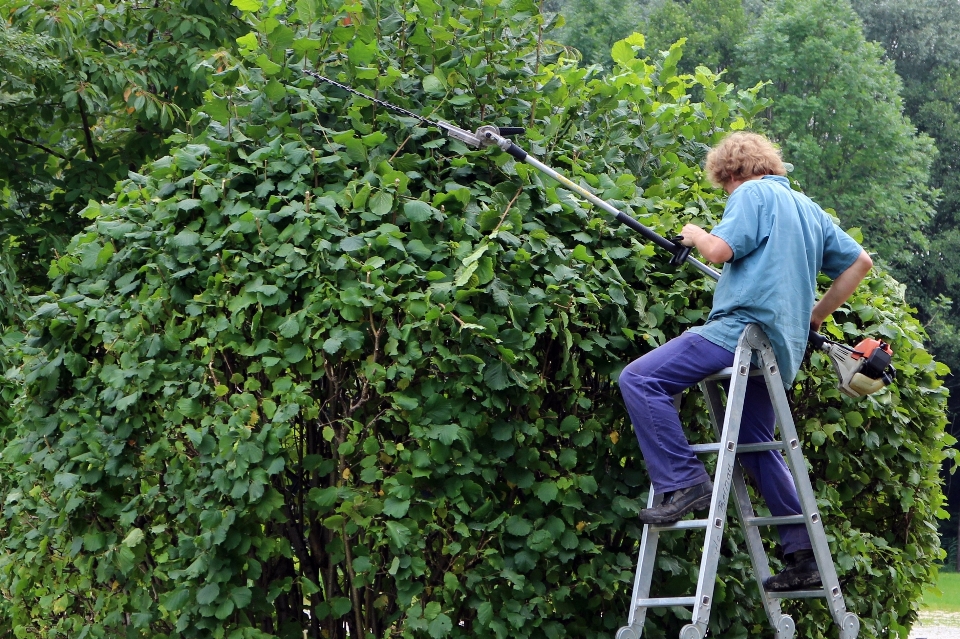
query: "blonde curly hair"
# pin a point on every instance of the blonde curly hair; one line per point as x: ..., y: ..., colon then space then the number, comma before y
x: 743, y: 155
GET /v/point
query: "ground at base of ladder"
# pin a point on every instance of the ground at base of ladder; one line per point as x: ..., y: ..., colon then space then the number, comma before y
x: 937, y: 625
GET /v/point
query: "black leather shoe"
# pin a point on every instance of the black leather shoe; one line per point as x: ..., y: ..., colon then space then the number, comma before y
x: 678, y: 503
x: 800, y: 573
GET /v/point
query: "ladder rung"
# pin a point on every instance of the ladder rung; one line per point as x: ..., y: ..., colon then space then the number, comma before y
x: 705, y: 448
x: 686, y: 524
x: 727, y: 373
x: 798, y: 594
x: 759, y: 447
x: 741, y: 448
x: 666, y: 601
x: 775, y: 521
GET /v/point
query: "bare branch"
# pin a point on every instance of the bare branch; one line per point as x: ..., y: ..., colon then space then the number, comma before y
x: 41, y: 146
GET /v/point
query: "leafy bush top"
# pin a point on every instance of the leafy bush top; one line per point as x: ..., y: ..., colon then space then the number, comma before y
x: 323, y: 369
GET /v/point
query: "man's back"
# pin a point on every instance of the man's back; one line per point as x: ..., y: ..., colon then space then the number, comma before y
x: 780, y: 240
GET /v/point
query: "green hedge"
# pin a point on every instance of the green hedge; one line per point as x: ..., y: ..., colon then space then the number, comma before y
x: 324, y: 370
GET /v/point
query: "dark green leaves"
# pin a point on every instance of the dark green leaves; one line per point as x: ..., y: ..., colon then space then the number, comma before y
x: 208, y: 594
x: 343, y: 338
x: 394, y: 507
x: 496, y: 375
x: 398, y: 533
x: 417, y: 211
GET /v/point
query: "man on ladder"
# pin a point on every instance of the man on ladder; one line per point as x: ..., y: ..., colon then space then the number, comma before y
x: 774, y: 242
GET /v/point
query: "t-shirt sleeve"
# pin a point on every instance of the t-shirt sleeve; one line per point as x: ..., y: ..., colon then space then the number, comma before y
x: 741, y: 225
x: 839, y: 250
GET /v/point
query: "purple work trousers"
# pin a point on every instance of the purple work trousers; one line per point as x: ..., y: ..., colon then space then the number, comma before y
x: 648, y: 385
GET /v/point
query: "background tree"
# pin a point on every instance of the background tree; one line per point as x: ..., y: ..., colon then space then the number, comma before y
x: 938, y: 273
x: 917, y: 36
x: 713, y: 29
x: 592, y: 26
x: 125, y: 75
x: 24, y: 57
x: 839, y: 117
x: 921, y: 38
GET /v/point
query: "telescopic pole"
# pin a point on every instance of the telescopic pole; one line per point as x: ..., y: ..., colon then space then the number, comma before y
x: 489, y: 135
x: 680, y: 253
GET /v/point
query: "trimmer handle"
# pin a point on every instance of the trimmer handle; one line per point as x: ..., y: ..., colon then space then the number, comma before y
x: 816, y: 340
x: 680, y: 252
x: 512, y: 130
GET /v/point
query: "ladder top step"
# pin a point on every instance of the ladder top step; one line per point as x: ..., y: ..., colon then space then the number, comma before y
x: 662, y: 602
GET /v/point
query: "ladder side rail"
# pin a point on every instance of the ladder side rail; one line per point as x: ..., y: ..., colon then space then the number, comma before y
x: 783, y: 624
x: 646, y: 560
x: 847, y: 622
x: 730, y: 432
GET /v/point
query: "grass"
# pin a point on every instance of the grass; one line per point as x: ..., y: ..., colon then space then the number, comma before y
x: 949, y: 600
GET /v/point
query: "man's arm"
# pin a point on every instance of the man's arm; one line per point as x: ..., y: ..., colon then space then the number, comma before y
x: 712, y: 248
x: 841, y: 289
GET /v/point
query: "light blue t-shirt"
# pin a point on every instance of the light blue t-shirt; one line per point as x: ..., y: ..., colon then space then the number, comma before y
x: 780, y: 239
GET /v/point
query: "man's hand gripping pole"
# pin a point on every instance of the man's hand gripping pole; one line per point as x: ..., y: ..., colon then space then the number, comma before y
x: 492, y: 136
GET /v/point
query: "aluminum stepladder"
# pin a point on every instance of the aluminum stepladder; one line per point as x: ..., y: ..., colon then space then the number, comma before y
x: 728, y: 472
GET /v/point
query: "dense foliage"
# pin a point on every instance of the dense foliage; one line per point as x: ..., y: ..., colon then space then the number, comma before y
x: 320, y: 369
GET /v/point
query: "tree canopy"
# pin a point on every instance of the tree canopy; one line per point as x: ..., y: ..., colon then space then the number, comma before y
x: 917, y: 36
x: 712, y: 28
x: 107, y: 84
x: 839, y: 119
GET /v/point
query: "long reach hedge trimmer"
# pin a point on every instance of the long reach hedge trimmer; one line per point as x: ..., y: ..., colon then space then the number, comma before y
x: 862, y: 370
